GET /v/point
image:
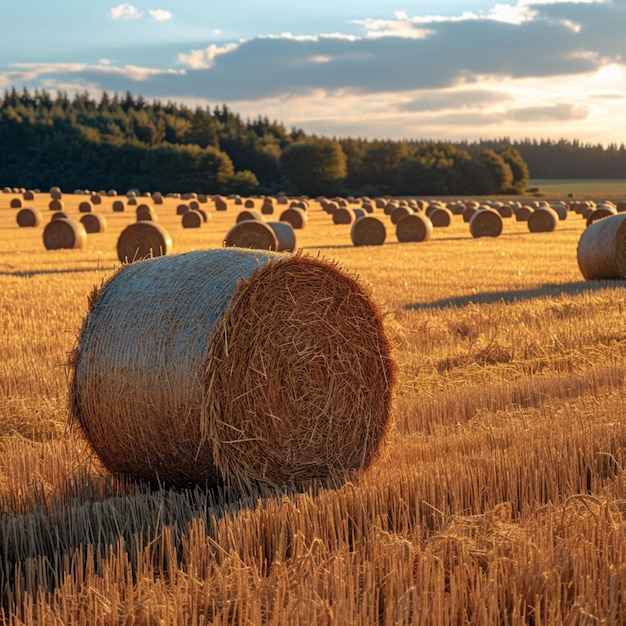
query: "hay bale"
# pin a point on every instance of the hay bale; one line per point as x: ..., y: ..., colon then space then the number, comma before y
x: 468, y: 213
x: 15, y: 203
x: 220, y: 203
x: 295, y: 216
x: 343, y: 215
x: 96, y: 198
x: 521, y: 215
x: 414, y: 227
x: 60, y: 215
x: 112, y: 193
x: 142, y: 240
x: 542, y: 220
x: 157, y: 198
x: 248, y: 214
x: 560, y: 210
x: 267, y: 208
x: 85, y: 207
x: 398, y: 213
x: 192, y: 219
x: 146, y: 213
x: 247, y: 367
x: 94, y: 223
x: 368, y: 231
x: 441, y: 217
x: 275, y: 236
x: 248, y: 203
x: 27, y: 217
x: 194, y: 205
x: 602, y: 249
x: 505, y: 210
x: 182, y: 208
x: 55, y: 193
x: 132, y: 201
x: 28, y: 195
x: 205, y: 216
x: 486, y: 223
x: 64, y: 234
x: 600, y: 213
x: 118, y: 206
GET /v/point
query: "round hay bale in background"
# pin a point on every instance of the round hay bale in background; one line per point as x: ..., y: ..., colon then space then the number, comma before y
x: 64, y: 234
x: 358, y: 213
x: 505, y: 210
x: 182, y: 208
x: 132, y: 201
x: 94, y: 223
x: 28, y: 195
x: 96, y: 198
x: 85, y: 207
x: 267, y: 208
x: 157, y: 198
x: 205, y: 216
x: 220, y: 203
x: 285, y: 235
x: 343, y: 215
x: 560, y: 210
x: 55, y: 193
x: 542, y: 220
x: 248, y: 214
x: 521, y: 215
x: 192, y: 219
x: 414, y: 227
x: 248, y: 203
x: 118, y: 206
x: 60, y: 215
x: 142, y: 240
x: 441, y: 217
x: 621, y: 207
x: 252, y: 234
x: 112, y: 193
x: 486, y: 223
x: 237, y: 366
x: 295, y: 216
x: 27, y: 217
x: 602, y: 249
x: 468, y: 213
x: 15, y: 203
x: 56, y: 205
x: 600, y: 213
x: 146, y: 213
x: 398, y: 213
x: 368, y: 231
x: 194, y: 205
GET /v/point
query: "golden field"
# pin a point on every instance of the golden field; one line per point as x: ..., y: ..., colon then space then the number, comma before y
x: 499, y: 496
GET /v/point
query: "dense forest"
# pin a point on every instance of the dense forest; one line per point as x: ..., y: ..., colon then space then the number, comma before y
x: 124, y: 142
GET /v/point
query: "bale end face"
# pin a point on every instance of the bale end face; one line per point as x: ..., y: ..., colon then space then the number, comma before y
x: 143, y: 240
x: 601, y: 251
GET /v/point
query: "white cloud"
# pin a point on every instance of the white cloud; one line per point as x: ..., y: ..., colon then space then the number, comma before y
x: 204, y: 59
x: 160, y: 15
x: 125, y: 12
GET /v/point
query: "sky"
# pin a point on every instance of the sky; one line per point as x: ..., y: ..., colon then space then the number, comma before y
x: 445, y: 70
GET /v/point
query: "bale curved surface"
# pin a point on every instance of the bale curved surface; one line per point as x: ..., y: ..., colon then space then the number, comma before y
x: 542, y: 220
x: 441, y: 217
x: 414, y: 227
x: 64, y: 234
x: 28, y: 217
x: 600, y: 213
x: 249, y: 214
x: 343, y: 215
x: 192, y: 219
x: 245, y: 366
x: 397, y: 214
x: 118, y: 206
x: 60, y: 215
x: 601, y: 249
x: 141, y: 240
x: 251, y: 234
x: 285, y: 236
x: 521, y: 215
x: 368, y: 231
x: 295, y: 216
x: 56, y: 205
x: 85, y: 207
x: 486, y: 223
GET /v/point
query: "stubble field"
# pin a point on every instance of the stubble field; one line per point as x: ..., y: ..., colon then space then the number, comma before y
x: 499, y: 496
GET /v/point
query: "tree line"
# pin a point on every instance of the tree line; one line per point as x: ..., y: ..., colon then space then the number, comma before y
x: 123, y: 142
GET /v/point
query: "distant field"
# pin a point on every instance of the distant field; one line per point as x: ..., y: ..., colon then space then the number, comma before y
x: 608, y: 187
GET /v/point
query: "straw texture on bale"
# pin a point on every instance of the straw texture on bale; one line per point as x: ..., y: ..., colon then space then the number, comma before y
x: 414, y: 227
x: 368, y: 231
x: 94, y: 222
x: 602, y: 249
x: 64, y: 234
x: 486, y: 223
x: 295, y: 216
x: 192, y: 219
x: 251, y: 234
x: 143, y: 240
x: 600, y: 213
x: 543, y: 220
x: 233, y: 365
x: 27, y: 217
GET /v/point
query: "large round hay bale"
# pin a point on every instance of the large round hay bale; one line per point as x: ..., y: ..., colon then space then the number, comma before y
x: 231, y: 365
x: 85, y: 207
x: 441, y: 217
x: 261, y: 235
x: 486, y: 223
x: 141, y: 240
x: 414, y: 227
x: 468, y: 213
x: 94, y: 222
x: 399, y: 212
x: 602, y: 249
x: 192, y: 219
x: 368, y: 231
x: 543, y: 220
x: 28, y: 217
x: 64, y: 234
x: 600, y: 213
x: 16, y: 203
x: 560, y: 209
x: 295, y: 216
x: 249, y: 214
x: 343, y: 215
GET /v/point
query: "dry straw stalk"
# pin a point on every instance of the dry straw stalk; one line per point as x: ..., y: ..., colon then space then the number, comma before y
x: 251, y: 366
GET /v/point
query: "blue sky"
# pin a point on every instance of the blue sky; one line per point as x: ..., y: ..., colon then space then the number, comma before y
x: 423, y: 69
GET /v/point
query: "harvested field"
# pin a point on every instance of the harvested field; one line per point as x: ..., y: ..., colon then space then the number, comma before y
x: 497, y: 497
